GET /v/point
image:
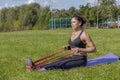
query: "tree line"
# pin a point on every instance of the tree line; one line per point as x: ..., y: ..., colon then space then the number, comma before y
x: 25, y: 17
x: 34, y: 16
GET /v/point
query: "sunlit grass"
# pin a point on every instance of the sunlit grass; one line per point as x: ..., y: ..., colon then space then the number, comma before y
x: 16, y: 46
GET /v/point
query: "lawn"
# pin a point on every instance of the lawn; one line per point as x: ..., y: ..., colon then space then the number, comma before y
x: 16, y: 46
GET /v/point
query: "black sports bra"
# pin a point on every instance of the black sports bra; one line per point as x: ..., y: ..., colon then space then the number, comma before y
x: 77, y: 42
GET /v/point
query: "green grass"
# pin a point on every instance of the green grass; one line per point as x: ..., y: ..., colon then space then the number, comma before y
x: 16, y: 46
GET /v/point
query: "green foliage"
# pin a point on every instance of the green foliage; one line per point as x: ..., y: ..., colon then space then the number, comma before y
x: 16, y: 25
x: 1, y: 26
x: 24, y: 17
x: 107, y: 2
x: 3, y: 13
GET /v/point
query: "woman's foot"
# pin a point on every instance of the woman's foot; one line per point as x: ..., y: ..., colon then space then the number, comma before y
x: 42, y: 69
x: 29, y: 64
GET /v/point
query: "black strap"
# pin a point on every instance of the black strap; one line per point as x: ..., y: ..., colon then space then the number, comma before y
x: 81, y: 33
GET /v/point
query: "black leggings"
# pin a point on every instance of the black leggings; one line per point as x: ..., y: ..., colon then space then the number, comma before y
x: 67, y: 63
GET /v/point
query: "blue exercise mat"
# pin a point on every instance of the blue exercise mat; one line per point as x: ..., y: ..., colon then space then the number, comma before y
x: 108, y: 58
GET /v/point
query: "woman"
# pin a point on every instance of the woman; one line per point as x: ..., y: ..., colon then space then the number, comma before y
x: 77, y: 44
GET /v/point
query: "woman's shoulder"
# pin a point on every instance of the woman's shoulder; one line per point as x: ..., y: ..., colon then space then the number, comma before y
x: 84, y: 35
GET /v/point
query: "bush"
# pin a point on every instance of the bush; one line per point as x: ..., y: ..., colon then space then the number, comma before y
x: 1, y: 27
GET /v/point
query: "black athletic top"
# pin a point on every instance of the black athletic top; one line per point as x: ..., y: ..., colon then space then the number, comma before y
x: 77, y: 42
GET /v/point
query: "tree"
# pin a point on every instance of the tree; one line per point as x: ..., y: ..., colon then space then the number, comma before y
x: 107, y: 2
x: 72, y: 11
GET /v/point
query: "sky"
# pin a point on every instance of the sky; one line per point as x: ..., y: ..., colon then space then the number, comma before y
x: 57, y: 4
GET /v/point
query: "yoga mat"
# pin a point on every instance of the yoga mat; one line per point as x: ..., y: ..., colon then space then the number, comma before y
x: 108, y: 58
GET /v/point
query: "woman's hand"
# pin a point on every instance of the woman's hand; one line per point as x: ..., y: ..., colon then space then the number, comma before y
x: 75, y: 50
x: 66, y: 47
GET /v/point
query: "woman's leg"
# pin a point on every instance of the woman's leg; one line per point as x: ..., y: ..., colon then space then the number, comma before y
x: 67, y: 63
x: 57, y: 64
x: 74, y: 63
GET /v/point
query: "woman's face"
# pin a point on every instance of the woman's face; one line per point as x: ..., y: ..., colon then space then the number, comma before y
x: 75, y: 24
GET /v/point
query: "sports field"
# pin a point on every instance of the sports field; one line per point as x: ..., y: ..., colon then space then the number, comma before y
x: 16, y: 46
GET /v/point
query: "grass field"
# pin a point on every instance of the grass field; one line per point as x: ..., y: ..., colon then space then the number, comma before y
x: 16, y: 46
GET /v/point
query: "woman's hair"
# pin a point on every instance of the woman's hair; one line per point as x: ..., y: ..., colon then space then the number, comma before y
x: 80, y: 19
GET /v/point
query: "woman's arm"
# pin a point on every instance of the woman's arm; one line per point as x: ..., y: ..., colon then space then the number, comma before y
x: 91, y: 46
